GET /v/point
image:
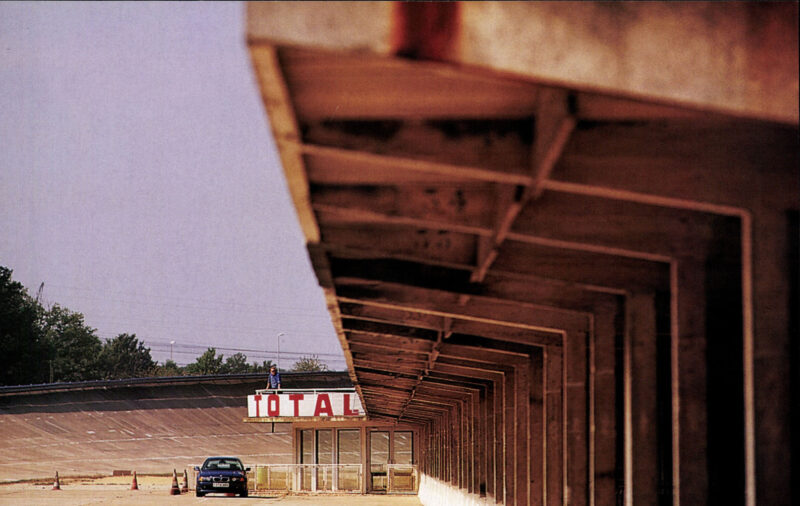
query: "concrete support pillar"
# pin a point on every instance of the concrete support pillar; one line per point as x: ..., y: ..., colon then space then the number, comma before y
x: 554, y: 402
x: 605, y: 399
x: 576, y: 347
x: 689, y: 382
x: 775, y: 233
x: 537, y: 429
x: 510, y: 441
x: 643, y: 414
x: 499, y: 440
x: 522, y: 381
x: 480, y: 439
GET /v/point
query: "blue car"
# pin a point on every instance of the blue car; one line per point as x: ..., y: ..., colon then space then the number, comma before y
x: 224, y: 475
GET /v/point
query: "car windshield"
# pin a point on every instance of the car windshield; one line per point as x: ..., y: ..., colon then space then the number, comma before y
x: 223, y: 464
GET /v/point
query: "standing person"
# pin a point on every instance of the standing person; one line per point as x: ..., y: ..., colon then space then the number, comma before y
x: 274, y: 379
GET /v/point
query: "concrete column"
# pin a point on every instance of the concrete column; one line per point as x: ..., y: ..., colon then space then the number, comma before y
x: 554, y: 469
x: 510, y: 465
x: 499, y: 440
x: 537, y: 429
x: 643, y: 416
x: 774, y: 255
x: 605, y: 399
x: 689, y: 383
x: 522, y: 383
x: 480, y: 439
x: 576, y: 346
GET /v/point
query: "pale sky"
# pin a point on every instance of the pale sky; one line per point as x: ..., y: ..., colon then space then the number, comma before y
x: 139, y: 181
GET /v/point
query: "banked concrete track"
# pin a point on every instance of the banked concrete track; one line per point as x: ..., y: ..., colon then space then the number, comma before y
x: 148, y: 425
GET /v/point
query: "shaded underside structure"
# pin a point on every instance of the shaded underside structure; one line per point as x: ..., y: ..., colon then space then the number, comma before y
x: 563, y: 251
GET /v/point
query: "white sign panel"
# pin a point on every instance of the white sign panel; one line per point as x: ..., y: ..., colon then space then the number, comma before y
x: 304, y: 404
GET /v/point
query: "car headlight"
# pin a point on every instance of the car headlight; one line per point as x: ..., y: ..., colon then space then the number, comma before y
x: 204, y: 478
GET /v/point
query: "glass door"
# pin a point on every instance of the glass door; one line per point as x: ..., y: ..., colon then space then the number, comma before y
x: 349, y: 459
x: 378, y: 460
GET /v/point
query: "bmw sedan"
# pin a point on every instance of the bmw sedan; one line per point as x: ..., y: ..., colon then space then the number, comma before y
x: 225, y: 475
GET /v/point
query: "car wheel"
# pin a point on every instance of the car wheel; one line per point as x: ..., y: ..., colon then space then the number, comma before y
x: 199, y: 494
x: 244, y: 494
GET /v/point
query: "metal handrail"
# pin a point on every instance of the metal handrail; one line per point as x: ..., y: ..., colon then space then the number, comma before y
x: 302, y: 390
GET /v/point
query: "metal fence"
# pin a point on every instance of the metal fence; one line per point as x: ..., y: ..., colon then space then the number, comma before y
x: 308, y: 477
x: 339, y: 478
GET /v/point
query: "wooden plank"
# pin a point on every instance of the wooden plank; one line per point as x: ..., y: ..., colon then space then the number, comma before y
x: 480, y: 354
x: 386, y: 315
x: 386, y: 344
x: 381, y: 241
x: 338, y: 166
x: 439, y: 206
x: 362, y: 85
x: 586, y: 267
x: 491, y: 149
x: 425, y: 276
x: 275, y: 95
x: 391, y: 331
x: 436, y: 302
x: 616, y: 224
x: 598, y: 107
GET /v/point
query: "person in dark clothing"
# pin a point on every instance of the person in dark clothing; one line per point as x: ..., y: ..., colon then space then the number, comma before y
x: 274, y: 379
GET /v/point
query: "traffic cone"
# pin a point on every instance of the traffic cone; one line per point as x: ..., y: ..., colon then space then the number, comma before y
x: 185, y: 486
x: 174, y: 490
x: 135, y: 482
x: 56, y: 484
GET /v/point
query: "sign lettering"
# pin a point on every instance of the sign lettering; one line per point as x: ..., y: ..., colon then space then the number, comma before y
x: 307, y: 404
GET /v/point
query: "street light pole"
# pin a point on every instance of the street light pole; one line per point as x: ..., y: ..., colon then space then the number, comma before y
x: 280, y: 334
x: 170, y: 350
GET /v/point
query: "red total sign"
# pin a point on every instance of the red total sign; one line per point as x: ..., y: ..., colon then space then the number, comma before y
x: 304, y: 404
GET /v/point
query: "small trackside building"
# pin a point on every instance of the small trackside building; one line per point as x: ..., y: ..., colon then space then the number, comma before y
x: 336, y: 448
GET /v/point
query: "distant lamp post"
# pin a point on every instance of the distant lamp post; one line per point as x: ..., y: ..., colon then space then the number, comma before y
x: 170, y: 350
x: 280, y: 334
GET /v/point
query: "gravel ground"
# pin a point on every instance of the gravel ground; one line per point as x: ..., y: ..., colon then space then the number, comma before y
x: 155, y: 490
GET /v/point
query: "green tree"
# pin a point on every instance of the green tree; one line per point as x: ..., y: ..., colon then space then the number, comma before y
x: 169, y: 368
x: 263, y: 367
x: 235, y: 364
x: 23, y: 346
x: 207, y: 363
x: 309, y: 364
x: 74, y: 347
x: 126, y: 357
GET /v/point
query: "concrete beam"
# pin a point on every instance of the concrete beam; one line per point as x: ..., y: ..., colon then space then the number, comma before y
x: 739, y: 58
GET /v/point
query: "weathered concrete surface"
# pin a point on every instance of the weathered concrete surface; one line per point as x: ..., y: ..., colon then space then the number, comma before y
x: 739, y: 58
x: 149, y: 428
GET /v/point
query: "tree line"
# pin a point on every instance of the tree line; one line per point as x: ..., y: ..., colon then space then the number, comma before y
x: 47, y: 345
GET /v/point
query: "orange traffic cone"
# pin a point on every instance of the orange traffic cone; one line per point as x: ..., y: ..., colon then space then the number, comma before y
x: 174, y: 490
x: 135, y: 482
x: 185, y: 486
x: 56, y: 484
